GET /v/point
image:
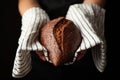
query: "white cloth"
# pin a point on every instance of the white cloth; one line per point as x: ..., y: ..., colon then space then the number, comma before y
x: 89, y: 18
x: 32, y: 20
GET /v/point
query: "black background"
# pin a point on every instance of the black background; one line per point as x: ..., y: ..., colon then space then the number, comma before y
x: 10, y: 31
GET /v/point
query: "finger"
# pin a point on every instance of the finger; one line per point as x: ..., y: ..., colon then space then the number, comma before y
x: 41, y: 55
x: 80, y: 54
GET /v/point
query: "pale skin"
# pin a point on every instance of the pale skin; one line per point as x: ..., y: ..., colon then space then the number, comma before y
x: 101, y: 3
x: 24, y: 5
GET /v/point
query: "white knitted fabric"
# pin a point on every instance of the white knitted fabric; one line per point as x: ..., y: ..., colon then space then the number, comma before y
x: 32, y: 20
x: 89, y: 18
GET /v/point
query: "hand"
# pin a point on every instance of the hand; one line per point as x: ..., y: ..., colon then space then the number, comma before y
x: 89, y: 18
x: 32, y: 20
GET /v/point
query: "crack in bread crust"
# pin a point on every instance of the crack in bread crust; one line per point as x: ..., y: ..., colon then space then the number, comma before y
x: 61, y: 38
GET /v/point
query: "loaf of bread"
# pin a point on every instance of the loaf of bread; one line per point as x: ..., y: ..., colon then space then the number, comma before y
x: 61, y: 38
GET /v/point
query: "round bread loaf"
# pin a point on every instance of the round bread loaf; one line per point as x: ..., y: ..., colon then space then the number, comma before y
x: 61, y: 38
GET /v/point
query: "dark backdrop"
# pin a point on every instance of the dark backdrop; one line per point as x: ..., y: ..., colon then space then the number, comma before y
x: 10, y: 32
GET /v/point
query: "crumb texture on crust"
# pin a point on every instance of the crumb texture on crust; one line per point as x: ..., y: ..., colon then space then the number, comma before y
x: 61, y: 38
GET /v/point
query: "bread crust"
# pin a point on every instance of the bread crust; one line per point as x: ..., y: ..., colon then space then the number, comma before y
x: 61, y: 38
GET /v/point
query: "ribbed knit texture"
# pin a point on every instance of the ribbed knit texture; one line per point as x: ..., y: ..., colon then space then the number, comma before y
x: 32, y: 20
x: 89, y: 18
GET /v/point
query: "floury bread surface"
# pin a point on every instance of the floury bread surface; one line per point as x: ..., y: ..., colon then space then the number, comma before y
x: 61, y: 38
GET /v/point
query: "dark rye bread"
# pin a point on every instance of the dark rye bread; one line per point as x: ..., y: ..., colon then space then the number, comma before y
x: 61, y: 38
